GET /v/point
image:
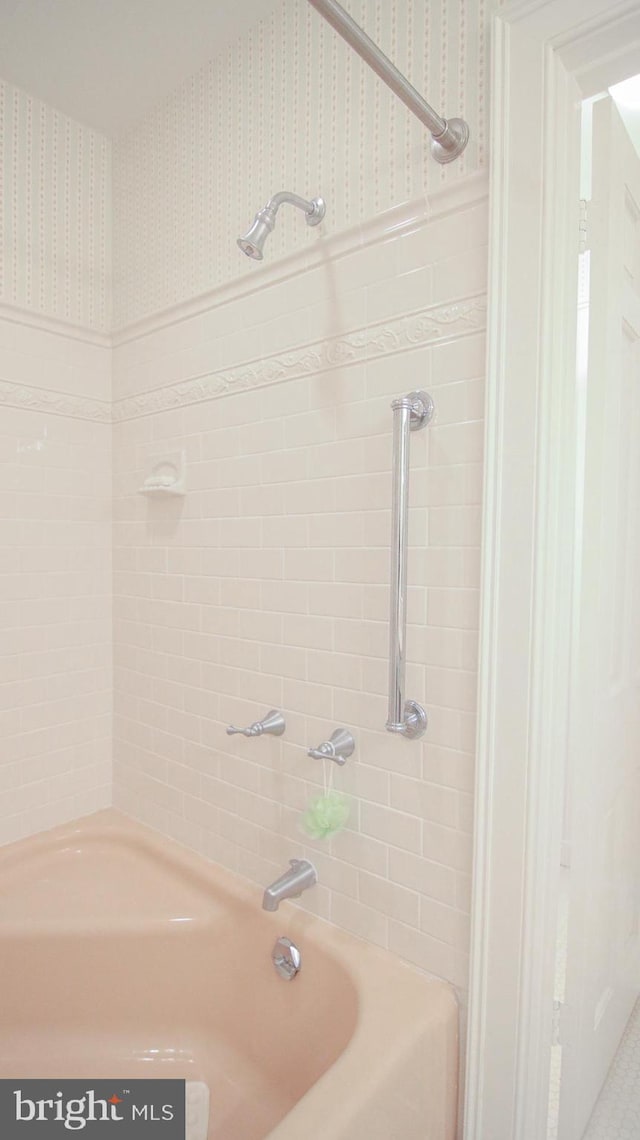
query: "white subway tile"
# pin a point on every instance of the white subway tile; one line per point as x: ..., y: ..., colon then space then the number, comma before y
x: 444, y: 922
x: 429, y: 953
x: 359, y: 919
x: 268, y: 587
x: 392, y: 827
x: 419, y: 874
x: 389, y: 898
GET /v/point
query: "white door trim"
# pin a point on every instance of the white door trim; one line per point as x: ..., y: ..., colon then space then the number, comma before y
x: 546, y: 55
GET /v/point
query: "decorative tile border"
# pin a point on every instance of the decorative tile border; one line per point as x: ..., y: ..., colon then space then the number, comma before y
x: 428, y: 326
x: 55, y: 403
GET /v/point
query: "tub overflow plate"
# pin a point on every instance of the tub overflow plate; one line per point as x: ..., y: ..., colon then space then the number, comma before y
x: 287, y: 959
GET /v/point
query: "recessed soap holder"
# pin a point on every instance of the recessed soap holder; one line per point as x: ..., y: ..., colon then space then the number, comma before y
x: 167, y: 476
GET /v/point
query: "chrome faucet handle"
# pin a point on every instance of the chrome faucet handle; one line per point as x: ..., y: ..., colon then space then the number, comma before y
x: 272, y: 724
x: 339, y: 747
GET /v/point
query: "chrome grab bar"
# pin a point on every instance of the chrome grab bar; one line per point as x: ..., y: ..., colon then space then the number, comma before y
x: 410, y: 413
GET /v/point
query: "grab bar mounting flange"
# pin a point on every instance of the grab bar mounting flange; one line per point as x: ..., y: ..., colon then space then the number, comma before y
x: 420, y: 405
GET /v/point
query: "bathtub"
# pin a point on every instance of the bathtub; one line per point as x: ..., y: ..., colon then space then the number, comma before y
x: 123, y: 955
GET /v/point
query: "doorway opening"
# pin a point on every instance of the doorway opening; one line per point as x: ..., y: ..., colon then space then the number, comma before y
x: 594, y: 1088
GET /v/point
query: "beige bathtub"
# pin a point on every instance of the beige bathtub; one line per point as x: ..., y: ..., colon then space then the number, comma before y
x: 123, y: 955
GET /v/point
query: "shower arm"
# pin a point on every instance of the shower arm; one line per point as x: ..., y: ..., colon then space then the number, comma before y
x: 278, y: 200
x: 449, y: 138
x: 263, y: 224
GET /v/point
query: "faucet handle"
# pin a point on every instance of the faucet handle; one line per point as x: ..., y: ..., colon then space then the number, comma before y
x: 339, y: 747
x: 273, y: 724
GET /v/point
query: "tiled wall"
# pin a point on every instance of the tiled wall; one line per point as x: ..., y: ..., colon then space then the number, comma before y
x: 55, y: 225
x: 55, y: 578
x: 55, y: 467
x: 267, y: 585
x: 289, y: 106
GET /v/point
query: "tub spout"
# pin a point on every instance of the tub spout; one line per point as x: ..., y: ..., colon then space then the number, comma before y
x: 301, y: 875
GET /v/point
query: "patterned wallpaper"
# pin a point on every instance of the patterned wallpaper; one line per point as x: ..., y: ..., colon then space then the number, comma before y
x: 289, y: 105
x: 55, y: 241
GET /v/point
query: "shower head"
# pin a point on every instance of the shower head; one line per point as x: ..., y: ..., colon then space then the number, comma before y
x: 252, y: 243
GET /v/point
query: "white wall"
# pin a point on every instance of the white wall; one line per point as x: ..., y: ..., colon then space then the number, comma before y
x: 55, y: 469
x: 55, y: 578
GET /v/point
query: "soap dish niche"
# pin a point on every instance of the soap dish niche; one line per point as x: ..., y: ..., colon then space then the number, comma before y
x: 167, y: 475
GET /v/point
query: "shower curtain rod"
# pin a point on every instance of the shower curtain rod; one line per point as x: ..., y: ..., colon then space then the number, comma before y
x: 449, y: 138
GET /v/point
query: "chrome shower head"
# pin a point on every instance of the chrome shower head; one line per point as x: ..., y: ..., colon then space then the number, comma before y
x: 252, y: 243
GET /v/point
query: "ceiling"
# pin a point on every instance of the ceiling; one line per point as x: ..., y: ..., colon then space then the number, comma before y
x: 108, y: 62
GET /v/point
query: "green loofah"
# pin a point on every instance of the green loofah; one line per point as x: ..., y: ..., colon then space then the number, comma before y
x: 325, y: 815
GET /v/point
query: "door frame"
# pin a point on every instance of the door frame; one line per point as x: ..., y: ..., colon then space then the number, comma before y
x: 546, y: 56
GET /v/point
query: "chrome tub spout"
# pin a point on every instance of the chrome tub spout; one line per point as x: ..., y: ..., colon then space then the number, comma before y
x: 300, y: 876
